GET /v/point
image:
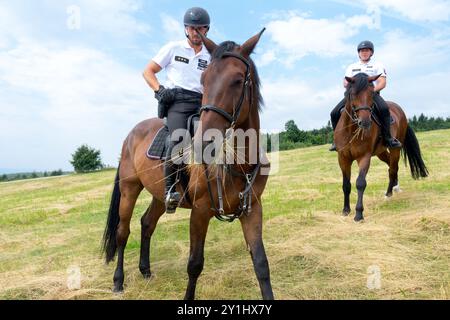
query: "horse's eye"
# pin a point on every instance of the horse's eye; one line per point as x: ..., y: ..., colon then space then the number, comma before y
x: 238, y: 82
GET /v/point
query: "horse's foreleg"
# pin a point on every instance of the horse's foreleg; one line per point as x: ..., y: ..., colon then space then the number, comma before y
x: 148, y: 225
x: 252, y: 228
x: 346, y: 168
x: 198, y: 228
x: 129, y: 193
x: 361, y: 184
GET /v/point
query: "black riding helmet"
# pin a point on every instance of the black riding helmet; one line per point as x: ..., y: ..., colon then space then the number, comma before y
x: 366, y: 45
x: 196, y: 17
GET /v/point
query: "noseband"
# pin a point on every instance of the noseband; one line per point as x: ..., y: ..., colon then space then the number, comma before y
x: 232, y: 118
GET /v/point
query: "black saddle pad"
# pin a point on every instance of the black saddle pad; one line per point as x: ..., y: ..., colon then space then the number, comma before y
x: 157, y: 149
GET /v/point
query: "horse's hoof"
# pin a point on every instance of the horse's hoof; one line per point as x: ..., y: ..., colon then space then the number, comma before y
x: 359, y: 219
x: 387, y: 196
x: 397, y: 189
x: 118, y: 289
x: 345, y: 213
x: 146, y: 272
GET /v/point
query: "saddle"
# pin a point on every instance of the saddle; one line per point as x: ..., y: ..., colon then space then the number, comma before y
x: 157, y: 150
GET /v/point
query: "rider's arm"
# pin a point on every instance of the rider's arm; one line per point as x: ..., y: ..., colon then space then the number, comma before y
x: 150, y: 75
x: 345, y: 83
x: 381, y: 84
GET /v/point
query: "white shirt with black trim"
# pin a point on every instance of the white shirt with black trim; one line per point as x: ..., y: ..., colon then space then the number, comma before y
x: 183, y: 67
x: 371, y: 68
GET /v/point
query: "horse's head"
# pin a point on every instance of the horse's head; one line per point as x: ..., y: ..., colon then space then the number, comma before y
x: 231, y: 97
x: 360, y: 98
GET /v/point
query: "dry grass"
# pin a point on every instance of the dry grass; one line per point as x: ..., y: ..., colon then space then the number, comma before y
x: 314, y: 252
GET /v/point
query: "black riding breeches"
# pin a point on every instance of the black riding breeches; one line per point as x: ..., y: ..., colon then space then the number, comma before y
x: 381, y: 107
x: 185, y: 105
x: 336, y: 113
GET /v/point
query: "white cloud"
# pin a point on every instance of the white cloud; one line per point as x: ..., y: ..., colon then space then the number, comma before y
x: 417, y: 10
x: 112, y: 16
x: 173, y: 29
x: 66, y: 97
x: 297, y: 36
x: 308, y: 104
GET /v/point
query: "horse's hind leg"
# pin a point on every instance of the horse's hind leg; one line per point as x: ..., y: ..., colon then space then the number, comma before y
x: 391, y: 159
x: 393, y: 170
x: 130, y: 191
x: 148, y: 225
x: 252, y: 228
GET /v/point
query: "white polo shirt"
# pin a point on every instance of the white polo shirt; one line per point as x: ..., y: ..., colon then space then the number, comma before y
x: 371, y: 68
x: 183, y: 67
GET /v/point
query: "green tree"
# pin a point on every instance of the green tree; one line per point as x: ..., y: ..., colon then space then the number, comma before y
x: 86, y: 159
x: 4, y: 178
x: 292, y: 131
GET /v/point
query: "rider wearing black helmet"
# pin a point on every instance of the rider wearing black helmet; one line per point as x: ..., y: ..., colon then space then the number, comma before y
x: 184, y: 62
x: 366, y: 50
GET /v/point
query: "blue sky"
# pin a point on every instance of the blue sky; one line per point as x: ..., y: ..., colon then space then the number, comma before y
x: 71, y: 71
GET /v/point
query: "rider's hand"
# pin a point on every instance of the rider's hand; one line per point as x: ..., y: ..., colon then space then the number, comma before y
x: 164, y: 96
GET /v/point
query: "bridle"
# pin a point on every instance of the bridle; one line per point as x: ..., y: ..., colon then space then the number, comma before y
x: 353, y: 116
x: 245, y: 197
x: 232, y: 118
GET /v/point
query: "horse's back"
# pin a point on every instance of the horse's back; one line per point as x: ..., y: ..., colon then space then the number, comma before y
x: 140, y: 138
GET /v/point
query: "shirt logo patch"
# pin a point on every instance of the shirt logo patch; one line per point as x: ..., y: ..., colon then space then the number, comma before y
x: 202, y: 64
x: 354, y: 70
x: 182, y: 59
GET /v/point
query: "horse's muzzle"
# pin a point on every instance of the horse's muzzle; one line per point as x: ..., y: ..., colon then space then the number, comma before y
x: 365, y: 124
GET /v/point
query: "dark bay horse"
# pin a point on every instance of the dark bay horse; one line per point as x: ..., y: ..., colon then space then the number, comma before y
x: 358, y: 138
x: 231, y: 100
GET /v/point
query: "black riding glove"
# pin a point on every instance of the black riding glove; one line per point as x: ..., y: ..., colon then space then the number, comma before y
x: 165, y: 96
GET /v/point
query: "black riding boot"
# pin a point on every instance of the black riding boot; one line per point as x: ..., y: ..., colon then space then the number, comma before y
x: 172, y: 197
x: 335, y: 115
x: 385, y: 118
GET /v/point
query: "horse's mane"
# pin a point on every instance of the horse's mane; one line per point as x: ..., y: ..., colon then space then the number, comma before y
x: 230, y: 46
x: 361, y: 83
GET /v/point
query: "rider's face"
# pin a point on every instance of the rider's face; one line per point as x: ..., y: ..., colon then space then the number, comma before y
x: 193, y: 35
x: 365, y: 54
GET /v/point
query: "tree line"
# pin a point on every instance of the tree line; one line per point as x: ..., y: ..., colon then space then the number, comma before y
x: 292, y: 137
x: 30, y: 175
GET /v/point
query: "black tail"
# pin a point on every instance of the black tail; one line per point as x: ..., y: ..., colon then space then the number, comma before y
x: 109, y: 236
x: 412, y: 151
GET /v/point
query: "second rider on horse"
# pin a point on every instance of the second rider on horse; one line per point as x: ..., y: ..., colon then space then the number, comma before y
x: 366, y: 65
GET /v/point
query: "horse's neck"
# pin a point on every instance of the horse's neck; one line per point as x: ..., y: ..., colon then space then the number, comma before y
x: 251, y: 126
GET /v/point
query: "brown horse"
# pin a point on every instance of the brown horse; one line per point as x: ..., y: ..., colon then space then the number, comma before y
x: 231, y: 100
x: 356, y: 138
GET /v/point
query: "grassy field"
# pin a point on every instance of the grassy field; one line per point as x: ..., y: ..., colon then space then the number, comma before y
x: 49, y: 225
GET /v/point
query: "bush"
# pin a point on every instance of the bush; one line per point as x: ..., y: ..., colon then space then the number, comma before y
x: 86, y: 159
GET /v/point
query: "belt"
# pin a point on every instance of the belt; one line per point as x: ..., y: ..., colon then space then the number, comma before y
x: 193, y: 94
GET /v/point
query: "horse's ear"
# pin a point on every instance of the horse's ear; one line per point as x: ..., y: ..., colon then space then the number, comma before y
x: 374, y: 78
x: 248, y: 47
x: 209, y: 44
x: 350, y: 79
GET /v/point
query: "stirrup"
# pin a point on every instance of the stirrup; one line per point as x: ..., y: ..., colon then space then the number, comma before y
x: 172, y: 201
x: 333, y: 147
x: 393, y: 143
